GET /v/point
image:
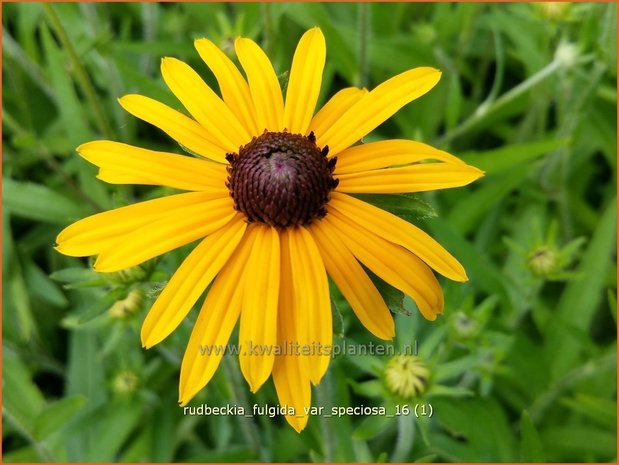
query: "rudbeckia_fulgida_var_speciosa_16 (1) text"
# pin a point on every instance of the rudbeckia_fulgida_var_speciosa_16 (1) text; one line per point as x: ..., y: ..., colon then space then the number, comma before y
x: 268, y: 183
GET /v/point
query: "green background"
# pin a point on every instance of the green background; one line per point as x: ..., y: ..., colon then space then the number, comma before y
x: 523, y: 362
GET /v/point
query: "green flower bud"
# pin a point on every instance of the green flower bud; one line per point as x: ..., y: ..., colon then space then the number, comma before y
x: 543, y: 260
x: 406, y: 376
x: 123, y: 309
x: 125, y: 382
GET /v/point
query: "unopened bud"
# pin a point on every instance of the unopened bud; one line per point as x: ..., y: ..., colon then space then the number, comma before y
x: 125, y: 382
x: 406, y: 376
x: 542, y: 261
x: 128, y: 306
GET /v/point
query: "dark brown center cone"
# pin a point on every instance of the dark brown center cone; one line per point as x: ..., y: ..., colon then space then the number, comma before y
x: 281, y: 179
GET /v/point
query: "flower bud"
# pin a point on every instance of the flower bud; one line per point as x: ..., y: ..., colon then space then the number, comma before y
x: 125, y: 382
x: 123, y: 309
x: 553, y: 11
x: 406, y: 376
x: 542, y: 261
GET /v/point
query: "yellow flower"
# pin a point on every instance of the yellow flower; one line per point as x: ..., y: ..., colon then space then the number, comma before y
x: 269, y: 200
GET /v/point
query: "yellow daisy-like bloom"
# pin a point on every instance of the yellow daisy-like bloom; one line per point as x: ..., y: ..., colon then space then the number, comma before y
x: 269, y: 201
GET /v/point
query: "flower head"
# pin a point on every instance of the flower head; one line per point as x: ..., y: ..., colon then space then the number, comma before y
x: 125, y: 382
x: 269, y: 199
x: 128, y: 306
x: 406, y: 376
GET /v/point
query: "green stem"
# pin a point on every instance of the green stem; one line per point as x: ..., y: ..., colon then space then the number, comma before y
x: 324, y: 399
x: 80, y: 72
x: 248, y: 425
x: 44, y: 454
x: 557, y: 169
x: 488, y: 108
x: 405, y: 440
x: 538, y: 408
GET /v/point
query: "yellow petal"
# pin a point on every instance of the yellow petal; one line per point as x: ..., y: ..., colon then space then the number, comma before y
x: 334, y: 108
x: 376, y: 107
x: 293, y: 388
x: 291, y: 368
x: 398, y: 231
x: 393, y: 263
x: 353, y: 282
x: 263, y: 85
x: 232, y: 85
x: 215, y: 323
x: 258, y: 329
x: 376, y: 155
x: 167, y: 233
x: 204, y: 105
x: 134, y: 165
x: 311, y: 291
x: 304, y: 83
x: 184, y: 130
x: 414, y: 178
x: 92, y: 235
x: 189, y: 281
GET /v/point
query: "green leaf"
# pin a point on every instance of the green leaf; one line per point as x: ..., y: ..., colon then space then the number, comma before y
x: 504, y: 158
x: 70, y: 108
x: 581, y: 298
x: 312, y: 14
x: 407, y: 206
x: 22, y: 400
x: 56, y: 415
x: 531, y: 449
x: 372, y: 426
x: 20, y: 302
x: 114, y: 426
x: 85, y: 375
x: 339, y: 306
x: 579, y: 442
x: 236, y: 454
x: 371, y: 388
x: 96, y: 309
x: 39, y: 203
x: 23, y: 455
x: 454, y: 101
x: 481, y: 427
x: 483, y: 273
x: 394, y: 298
x: 612, y: 304
x: 155, y: 48
x: 454, y: 368
x: 439, y: 390
x: 42, y: 286
x: 598, y: 410
x: 78, y: 277
x: 468, y: 212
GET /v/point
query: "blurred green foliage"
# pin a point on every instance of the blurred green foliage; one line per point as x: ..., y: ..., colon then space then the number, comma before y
x: 523, y: 363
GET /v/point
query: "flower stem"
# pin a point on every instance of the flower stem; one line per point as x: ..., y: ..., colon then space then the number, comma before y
x: 488, y: 108
x: 405, y: 440
x: 324, y: 399
x: 80, y: 72
x: 248, y: 426
x: 41, y: 450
